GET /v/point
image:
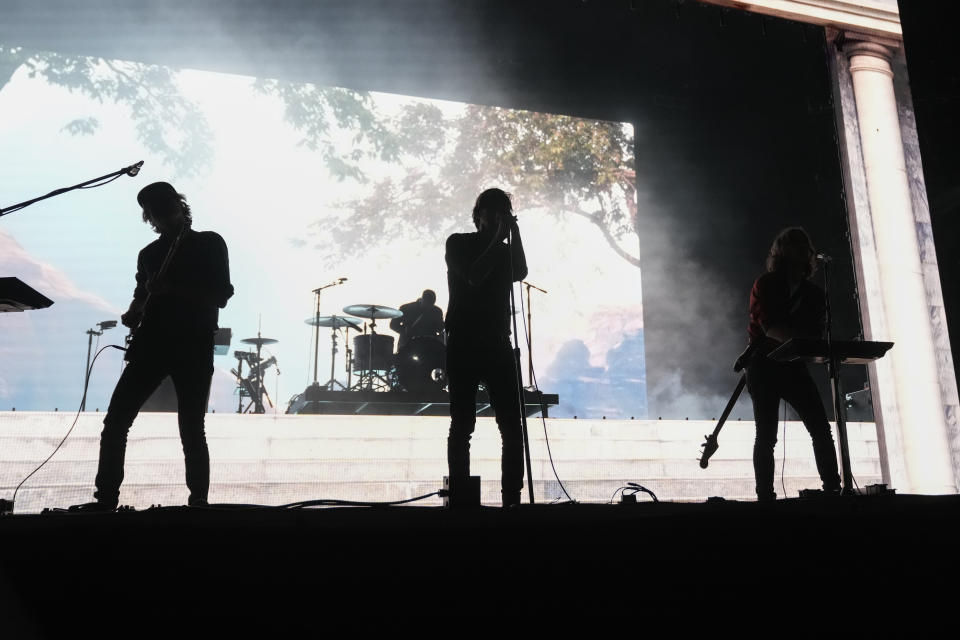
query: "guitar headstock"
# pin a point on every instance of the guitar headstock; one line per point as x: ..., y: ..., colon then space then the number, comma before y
x: 710, y: 446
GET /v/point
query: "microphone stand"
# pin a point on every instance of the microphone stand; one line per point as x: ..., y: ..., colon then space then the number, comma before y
x: 131, y: 171
x: 530, y: 331
x: 519, y: 376
x: 833, y: 370
x: 316, y: 327
x: 107, y: 324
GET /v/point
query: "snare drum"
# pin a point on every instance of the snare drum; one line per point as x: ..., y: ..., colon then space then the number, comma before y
x: 417, y: 361
x: 382, y: 357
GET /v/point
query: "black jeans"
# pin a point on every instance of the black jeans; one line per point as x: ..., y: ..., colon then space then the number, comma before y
x: 189, y: 363
x: 470, y: 362
x: 768, y: 381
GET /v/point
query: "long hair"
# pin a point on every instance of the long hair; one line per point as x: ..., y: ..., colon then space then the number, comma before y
x: 187, y: 217
x: 791, y: 236
x: 492, y: 200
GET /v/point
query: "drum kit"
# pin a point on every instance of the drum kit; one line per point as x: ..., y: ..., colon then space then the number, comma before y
x: 418, y: 366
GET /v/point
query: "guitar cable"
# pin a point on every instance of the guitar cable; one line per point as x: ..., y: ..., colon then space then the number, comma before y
x: 86, y: 384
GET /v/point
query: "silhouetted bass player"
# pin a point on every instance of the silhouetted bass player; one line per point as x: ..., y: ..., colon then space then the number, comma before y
x: 481, y: 270
x: 174, y: 317
x: 784, y: 304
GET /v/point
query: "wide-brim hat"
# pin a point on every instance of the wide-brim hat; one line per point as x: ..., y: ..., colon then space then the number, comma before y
x: 156, y: 191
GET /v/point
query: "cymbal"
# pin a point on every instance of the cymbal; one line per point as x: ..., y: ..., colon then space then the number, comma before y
x: 259, y: 341
x: 334, y: 321
x: 375, y: 311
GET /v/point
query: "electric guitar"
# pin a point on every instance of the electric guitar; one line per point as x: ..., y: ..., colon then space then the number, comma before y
x: 710, y: 444
x: 141, y: 308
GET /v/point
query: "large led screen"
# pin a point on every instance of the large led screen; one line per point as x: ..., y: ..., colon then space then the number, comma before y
x: 307, y: 184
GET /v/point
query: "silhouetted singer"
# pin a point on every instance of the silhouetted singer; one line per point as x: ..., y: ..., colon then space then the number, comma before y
x: 421, y: 318
x: 174, y: 317
x: 784, y: 304
x: 480, y: 273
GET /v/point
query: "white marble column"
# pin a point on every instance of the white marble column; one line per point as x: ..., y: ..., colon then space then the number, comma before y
x: 916, y: 384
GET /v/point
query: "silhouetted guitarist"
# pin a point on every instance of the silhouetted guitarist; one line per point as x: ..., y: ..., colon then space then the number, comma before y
x: 183, y: 279
x: 784, y: 304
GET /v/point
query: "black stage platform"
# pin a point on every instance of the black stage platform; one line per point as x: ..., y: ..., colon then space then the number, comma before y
x: 319, y: 400
x: 867, y: 562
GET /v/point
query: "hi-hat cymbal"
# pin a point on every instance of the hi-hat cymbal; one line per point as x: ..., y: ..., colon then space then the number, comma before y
x: 334, y: 321
x: 374, y: 311
x: 259, y: 341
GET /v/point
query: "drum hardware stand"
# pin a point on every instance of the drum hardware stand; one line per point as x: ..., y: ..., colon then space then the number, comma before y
x: 373, y: 332
x: 334, y: 327
x: 367, y: 375
x: 241, y: 356
x: 252, y: 385
x: 519, y: 376
x: 530, y: 332
x: 316, y: 335
x: 349, y: 358
x: 333, y: 358
x: 106, y: 324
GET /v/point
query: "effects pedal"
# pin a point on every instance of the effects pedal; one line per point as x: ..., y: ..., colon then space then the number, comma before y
x: 461, y: 492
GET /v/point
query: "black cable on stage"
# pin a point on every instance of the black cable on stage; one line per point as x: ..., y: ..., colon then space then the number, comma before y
x: 536, y: 388
x: 86, y: 383
x: 352, y: 503
x: 635, y: 488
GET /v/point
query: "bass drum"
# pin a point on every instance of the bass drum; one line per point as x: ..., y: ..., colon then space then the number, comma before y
x: 382, y: 356
x: 417, y: 361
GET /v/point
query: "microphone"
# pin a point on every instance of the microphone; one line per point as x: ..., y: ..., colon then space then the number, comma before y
x: 133, y: 169
x: 822, y: 257
x: 341, y: 280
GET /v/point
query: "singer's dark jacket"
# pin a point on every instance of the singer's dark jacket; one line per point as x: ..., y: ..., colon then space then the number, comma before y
x: 772, y: 304
x: 480, y: 311
x: 201, y: 265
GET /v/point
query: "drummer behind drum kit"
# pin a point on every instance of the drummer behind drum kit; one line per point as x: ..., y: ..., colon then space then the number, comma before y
x: 419, y: 366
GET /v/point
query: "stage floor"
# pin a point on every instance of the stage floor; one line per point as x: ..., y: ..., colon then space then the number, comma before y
x: 859, y: 560
x: 279, y: 459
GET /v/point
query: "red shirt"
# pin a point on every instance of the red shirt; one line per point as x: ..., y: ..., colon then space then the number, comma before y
x: 773, y: 303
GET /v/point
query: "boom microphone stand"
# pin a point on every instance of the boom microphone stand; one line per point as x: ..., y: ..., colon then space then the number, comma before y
x: 519, y: 376
x: 316, y: 336
x: 529, y: 330
x: 131, y: 171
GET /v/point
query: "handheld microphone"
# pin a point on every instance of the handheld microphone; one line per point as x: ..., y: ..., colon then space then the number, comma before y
x: 341, y: 280
x: 822, y: 257
x: 133, y: 169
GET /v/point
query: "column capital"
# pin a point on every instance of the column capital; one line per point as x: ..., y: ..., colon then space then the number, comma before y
x: 853, y: 43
